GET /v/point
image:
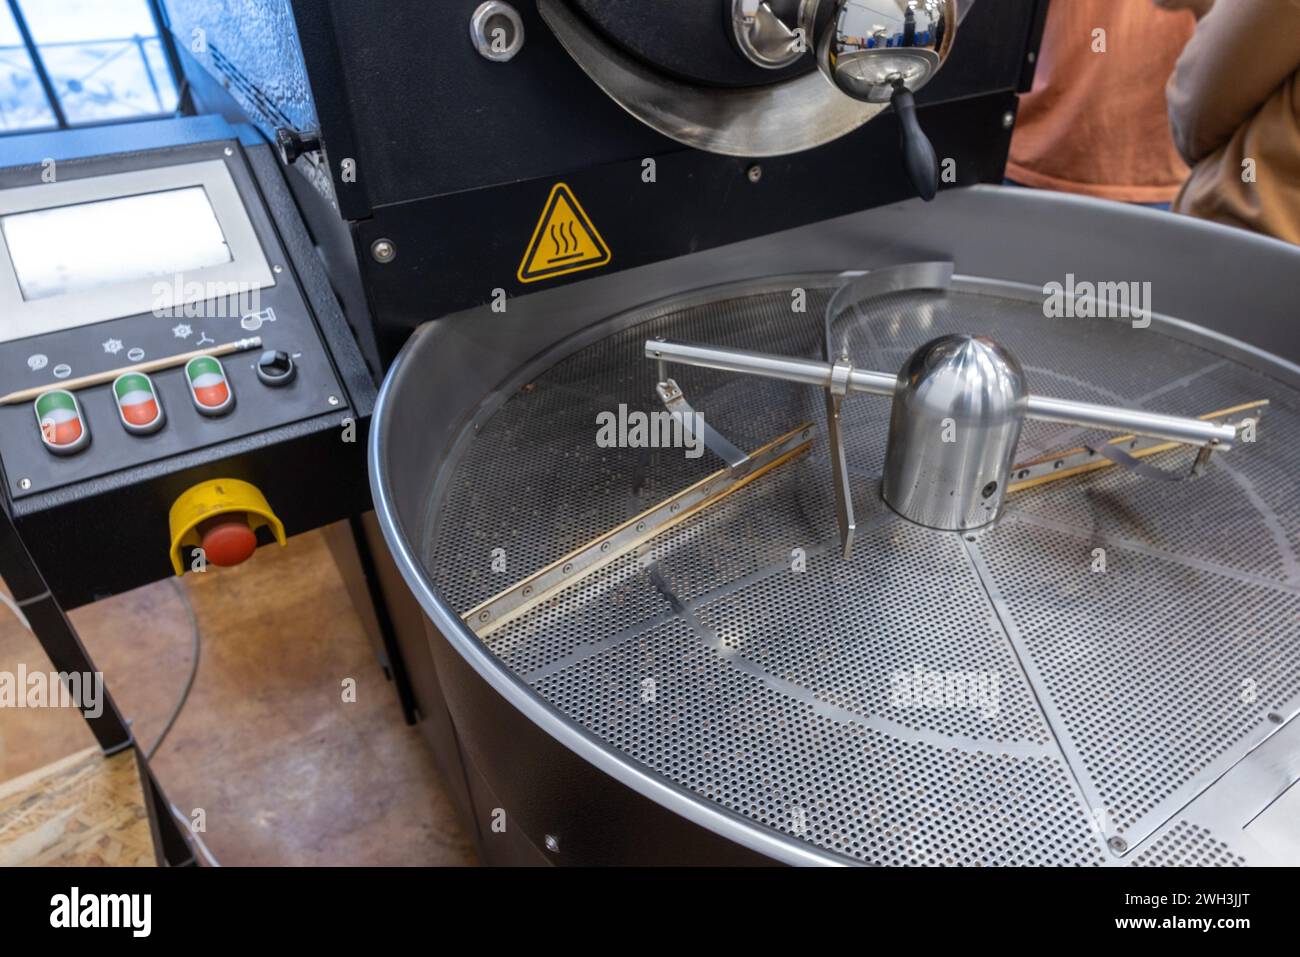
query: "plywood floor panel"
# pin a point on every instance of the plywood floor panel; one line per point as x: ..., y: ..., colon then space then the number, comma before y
x: 283, y: 769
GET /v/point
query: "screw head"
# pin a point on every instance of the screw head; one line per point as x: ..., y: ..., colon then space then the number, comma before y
x: 552, y: 843
x: 24, y: 484
x: 383, y: 250
x: 1008, y: 120
x: 333, y: 400
x: 277, y: 269
x: 754, y: 173
x: 1118, y: 845
x: 228, y: 151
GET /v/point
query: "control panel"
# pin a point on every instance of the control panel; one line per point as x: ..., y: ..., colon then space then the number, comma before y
x: 147, y: 309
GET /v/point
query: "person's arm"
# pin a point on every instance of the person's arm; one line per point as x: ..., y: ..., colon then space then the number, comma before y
x: 1199, y: 8
x: 1241, y: 53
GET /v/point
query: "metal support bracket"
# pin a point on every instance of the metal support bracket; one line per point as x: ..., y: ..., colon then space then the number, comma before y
x: 835, y: 393
x: 1129, y: 450
x: 693, y: 424
x: 850, y: 296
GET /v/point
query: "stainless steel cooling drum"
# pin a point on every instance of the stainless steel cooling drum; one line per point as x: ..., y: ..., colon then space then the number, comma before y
x: 1108, y: 674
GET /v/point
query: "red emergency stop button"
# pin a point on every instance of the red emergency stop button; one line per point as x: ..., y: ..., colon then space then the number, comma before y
x: 220, y: 516
x: 227, y: 540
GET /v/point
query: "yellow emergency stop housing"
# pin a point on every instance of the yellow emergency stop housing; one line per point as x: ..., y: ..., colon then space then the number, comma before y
x: 210, y: 499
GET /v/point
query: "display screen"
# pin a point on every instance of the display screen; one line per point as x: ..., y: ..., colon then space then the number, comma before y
x: 68, y: 249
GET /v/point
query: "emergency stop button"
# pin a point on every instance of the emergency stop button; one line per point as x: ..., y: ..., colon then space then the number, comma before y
x: 227, y: 540
x: 209, y: 386
x: 221, y: 517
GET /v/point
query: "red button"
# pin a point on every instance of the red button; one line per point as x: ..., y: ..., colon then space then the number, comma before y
x: 227, y: 539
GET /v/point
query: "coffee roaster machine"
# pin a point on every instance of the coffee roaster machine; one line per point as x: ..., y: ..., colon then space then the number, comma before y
x: 976, y: 539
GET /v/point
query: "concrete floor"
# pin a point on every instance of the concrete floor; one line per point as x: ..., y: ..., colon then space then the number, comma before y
x: 286, y: 771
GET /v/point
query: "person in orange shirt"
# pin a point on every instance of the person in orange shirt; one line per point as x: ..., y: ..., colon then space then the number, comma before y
x: 1096, y: 121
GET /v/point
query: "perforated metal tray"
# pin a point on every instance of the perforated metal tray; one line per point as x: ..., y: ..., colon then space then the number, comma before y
x: 714, y: 662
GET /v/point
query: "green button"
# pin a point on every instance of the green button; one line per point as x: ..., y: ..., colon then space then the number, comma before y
x: 63, y: 428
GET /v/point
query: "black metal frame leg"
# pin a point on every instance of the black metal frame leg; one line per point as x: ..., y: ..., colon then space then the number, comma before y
x: 68, y: 655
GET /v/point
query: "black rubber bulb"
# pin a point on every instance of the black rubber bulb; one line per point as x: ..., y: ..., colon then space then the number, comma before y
x: 918, y: 153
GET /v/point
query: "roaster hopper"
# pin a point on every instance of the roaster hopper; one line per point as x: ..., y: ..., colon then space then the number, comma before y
x: 703, y: 699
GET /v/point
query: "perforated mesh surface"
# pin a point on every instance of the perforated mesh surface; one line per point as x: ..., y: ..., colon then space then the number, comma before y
x: 933, y: 700
x: 1188, y: 845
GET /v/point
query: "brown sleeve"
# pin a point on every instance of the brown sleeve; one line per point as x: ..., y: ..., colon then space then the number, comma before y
x: 1241, y: 52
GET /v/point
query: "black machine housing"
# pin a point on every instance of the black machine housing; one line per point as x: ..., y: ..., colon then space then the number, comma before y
x: 450, y: 158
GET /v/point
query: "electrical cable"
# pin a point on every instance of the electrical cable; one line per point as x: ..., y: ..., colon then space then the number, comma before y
x: 194, y: 670
x: 196, y: 638
x: 18, y: 612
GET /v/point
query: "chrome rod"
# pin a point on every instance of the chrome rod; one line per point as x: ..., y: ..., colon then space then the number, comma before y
x: 811, y: 372
x: 766, y: 365
x: 1172, y: 428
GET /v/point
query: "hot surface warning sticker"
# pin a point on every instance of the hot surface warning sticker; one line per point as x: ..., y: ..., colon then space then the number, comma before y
x: 564, y: 241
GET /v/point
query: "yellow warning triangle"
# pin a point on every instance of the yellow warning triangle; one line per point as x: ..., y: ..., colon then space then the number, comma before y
x: 564, y: 241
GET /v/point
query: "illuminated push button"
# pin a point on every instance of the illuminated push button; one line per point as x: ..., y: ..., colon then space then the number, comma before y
x: 137, y: 403
x: 227, y: 540
x: 209, y: 386
x: 63, y: 427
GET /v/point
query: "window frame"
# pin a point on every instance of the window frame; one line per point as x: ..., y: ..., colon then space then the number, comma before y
x: 52, y: 99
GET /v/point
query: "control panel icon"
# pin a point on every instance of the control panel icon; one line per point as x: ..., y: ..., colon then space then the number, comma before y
x: 255, y: 320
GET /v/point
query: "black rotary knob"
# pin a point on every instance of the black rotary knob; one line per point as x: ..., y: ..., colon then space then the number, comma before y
x: 276, y: 368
